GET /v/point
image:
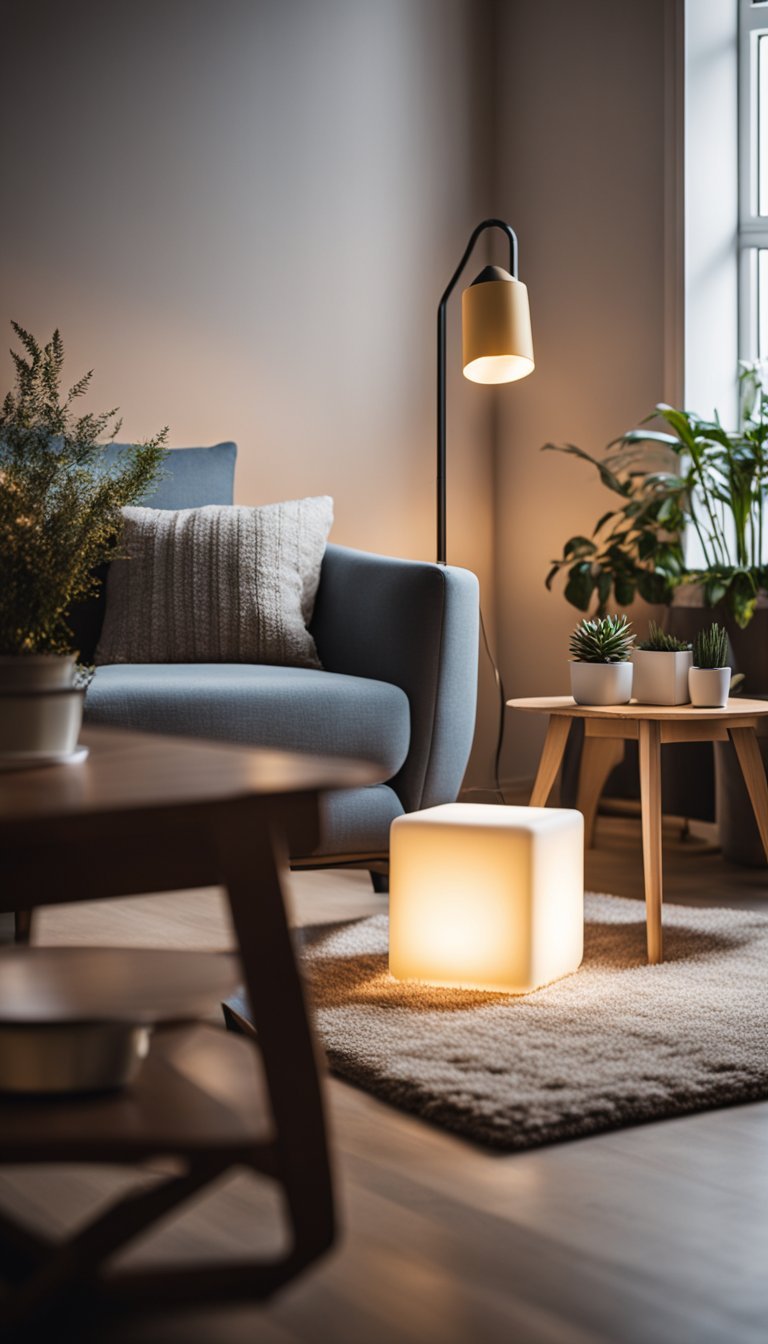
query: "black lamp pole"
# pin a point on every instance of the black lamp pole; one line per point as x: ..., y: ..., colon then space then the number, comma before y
x: 486, y: 224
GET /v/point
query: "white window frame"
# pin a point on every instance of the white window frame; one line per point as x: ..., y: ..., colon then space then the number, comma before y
x: 753, y: 228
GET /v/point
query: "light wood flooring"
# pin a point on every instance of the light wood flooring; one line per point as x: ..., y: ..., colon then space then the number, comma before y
x: 652, y: 1235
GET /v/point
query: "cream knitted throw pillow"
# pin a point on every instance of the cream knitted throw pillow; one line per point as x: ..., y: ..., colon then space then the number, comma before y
x: 219, y: 584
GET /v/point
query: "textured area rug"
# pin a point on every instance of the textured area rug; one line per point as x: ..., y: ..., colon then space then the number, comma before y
x: 616, y: 1044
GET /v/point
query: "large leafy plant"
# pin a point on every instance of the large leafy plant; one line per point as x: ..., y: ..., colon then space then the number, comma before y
x: 701, y: 476
x: 60, y: 510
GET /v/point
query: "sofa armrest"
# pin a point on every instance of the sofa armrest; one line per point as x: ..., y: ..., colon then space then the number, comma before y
x: 416, y: 625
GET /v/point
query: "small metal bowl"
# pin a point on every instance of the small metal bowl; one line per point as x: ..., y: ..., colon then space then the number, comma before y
x: 79, y: 1019
x: 67, y: 1057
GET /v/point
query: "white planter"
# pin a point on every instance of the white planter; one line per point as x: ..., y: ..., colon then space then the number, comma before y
x: 601, y: 683
x: 36, y: 671
x: 40, y: 723
x: 661, y: 678
x: 709, y: 686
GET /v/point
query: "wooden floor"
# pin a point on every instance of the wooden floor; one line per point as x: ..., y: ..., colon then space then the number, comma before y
x: 654, y: 1234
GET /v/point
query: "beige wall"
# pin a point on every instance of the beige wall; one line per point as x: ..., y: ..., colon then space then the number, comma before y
x: 242, y: 214
x: 581, y: 176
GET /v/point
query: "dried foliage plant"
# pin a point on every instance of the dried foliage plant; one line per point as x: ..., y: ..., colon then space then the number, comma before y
x: 60, y: 508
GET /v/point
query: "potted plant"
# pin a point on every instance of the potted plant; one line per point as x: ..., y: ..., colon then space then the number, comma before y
x: 709, y: 678
x: 661, y: 664
x: 702, y: 477
x: 60, y: 517
x: 689, y: 474
x: 601, y: 673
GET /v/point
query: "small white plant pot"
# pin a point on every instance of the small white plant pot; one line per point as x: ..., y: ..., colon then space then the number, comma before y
x: 36, y: 671
x: 601, y: 683
x: 40, y: 723
x: 709, y: 686
x: 661, y: 678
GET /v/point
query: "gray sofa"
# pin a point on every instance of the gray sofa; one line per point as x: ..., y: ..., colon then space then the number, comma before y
x: 398, y: 640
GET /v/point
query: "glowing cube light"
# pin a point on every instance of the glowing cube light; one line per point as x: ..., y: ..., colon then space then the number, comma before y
x: 486, y: 897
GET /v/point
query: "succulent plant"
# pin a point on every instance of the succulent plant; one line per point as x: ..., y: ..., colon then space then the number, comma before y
x: 659, y: 641
x: 711, y: 647
x: 604, y: 639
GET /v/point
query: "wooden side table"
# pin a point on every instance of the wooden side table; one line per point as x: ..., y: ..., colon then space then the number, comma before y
x: 651, y: 726
x: 149, y: 814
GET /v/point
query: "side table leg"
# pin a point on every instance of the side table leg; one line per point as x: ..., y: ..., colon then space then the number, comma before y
x: 751, y: 762
x: 599, y: 755
x: 558, y: 728
x: 650, y: 804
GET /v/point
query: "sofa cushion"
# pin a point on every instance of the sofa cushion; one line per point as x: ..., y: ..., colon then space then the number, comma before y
x: 293, y: 708
x: 356, y: 821
x: 216, y: 584
x: 190, y: 477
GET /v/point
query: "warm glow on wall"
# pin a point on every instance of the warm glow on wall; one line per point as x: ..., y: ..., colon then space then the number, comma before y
x: 486, y: 897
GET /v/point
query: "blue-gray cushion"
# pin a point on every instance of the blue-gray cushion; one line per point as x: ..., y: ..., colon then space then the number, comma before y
x: 191, y: 476
x: 294, y: 708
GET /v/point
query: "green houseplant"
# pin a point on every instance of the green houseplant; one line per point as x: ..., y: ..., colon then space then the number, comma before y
x: 601, y: 673
x: 661, y: 664
x: 60, y: 518
x: 700, y: 476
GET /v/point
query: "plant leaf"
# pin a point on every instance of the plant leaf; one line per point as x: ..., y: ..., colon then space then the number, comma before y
x: 580, y: 586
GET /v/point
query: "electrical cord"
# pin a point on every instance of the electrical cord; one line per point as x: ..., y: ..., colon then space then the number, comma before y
x: 500, y: 730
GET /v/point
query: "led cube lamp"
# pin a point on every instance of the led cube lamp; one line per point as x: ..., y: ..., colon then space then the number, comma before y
x: 486, y: 897
x: 496, y: 341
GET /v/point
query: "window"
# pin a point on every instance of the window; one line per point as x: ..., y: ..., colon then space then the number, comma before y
x: 753, y: 179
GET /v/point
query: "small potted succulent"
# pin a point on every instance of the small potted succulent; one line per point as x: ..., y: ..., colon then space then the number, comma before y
x: 709, y: 679
x: 661, y: 664
x: 601, y: 673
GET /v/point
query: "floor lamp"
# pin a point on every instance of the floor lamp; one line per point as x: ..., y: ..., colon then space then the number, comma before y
x: 496, y: 341
x: 496, y: 348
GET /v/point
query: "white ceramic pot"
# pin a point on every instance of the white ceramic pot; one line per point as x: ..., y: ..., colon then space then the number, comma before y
x: 601, y: 683
x: 661, y: 678
x: 40, y: 723
x: 709, y: 686
x: 36, y: 671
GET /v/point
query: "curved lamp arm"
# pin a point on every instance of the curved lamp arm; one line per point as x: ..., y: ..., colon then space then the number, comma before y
x: 511, y: 235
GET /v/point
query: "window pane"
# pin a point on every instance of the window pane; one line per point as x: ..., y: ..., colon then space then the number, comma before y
x: 762, y: 303
x: 762, y: 124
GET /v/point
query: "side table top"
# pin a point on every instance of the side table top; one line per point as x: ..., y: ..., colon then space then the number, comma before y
x: 566, y: 705
x: 126, y: 770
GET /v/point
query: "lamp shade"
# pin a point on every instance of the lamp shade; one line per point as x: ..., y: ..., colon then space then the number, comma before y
x: 497, y: 346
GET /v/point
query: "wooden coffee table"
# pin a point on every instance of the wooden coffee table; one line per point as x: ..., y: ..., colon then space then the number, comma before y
x: 149, y: 814
x: 651, y: 726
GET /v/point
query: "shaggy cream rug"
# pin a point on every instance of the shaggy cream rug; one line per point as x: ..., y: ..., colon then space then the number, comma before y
x: 616, y: 1044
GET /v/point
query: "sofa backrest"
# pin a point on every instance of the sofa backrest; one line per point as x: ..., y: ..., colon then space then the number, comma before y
x: 191, y: 478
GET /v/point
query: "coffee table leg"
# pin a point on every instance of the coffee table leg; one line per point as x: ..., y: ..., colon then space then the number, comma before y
x: 254, y: 861
x: 558, y: 729
x: 751, y: 762
x: 650, y: 803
